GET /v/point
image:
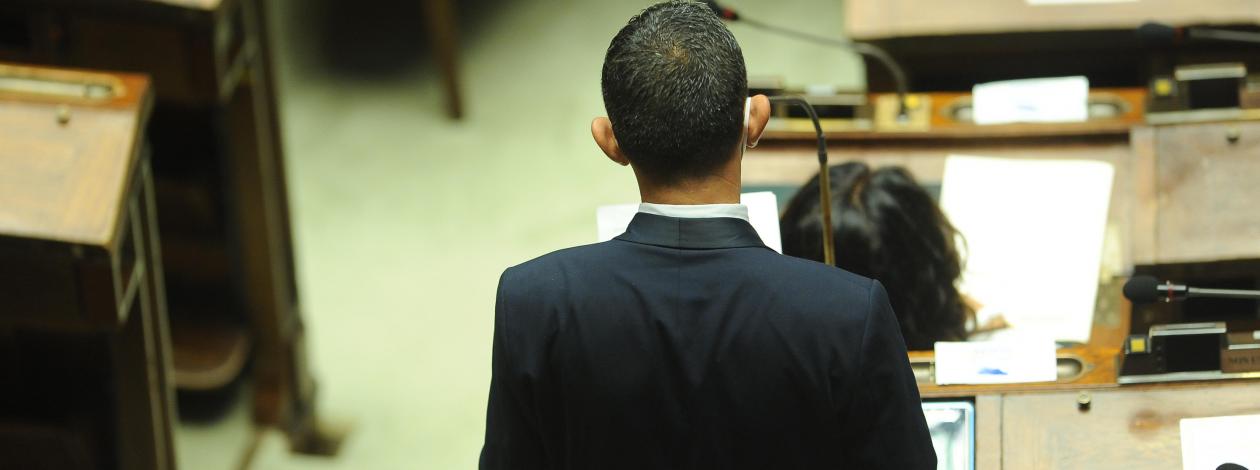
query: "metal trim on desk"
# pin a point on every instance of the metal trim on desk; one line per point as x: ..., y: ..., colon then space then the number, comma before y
x: 1196, y: 376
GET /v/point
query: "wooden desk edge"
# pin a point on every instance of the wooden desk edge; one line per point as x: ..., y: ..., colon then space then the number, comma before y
x: 135, y: 95
x: 941, y: 128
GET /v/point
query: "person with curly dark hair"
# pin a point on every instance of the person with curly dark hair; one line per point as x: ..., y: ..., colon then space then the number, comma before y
x: 889, y: 228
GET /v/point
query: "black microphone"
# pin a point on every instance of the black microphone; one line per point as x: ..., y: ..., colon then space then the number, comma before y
x: 722, y: 12
x: 1146, y: 289
x: 1159, y: 34
x: 863, y: 48
x: 824, y: 176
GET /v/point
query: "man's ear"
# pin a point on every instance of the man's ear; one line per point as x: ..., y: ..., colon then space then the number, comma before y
x: 602, y: 131
x: 758, y: 117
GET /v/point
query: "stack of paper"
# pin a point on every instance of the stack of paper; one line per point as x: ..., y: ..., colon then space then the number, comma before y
x: 1033, y: 232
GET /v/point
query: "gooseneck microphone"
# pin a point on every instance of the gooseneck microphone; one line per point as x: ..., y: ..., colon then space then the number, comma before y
x: 866, y: 49
x: 824, y: 175
x: 1147, y: 289
x: 1159, y: 34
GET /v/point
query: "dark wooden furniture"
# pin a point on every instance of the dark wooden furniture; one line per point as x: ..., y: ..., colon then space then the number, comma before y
x: 1180, y: 195
x: 85, y: 362
x: 220, y: 180
x: 945, y: 47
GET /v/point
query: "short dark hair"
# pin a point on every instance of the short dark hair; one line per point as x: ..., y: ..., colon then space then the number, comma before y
x: 674, y: 86
x: 887, y: 227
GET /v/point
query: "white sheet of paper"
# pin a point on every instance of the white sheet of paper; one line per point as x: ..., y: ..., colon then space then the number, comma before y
x: 1033, y: 232
x: 1064, y: 99
x: 1208, y: 443
x: 1022, y: 360
x: 763, y: 214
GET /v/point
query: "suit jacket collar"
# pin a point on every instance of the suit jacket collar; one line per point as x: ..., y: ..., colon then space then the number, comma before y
x: 717, y: 232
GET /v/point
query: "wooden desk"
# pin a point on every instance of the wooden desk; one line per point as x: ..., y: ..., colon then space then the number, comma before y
x: 1127, y: 427
x: 945, y: 46
x: 219, y: 170
x: 83, y: 327
x: 1181, y: 194
x: 879, y: 19
x: 1177, y: 197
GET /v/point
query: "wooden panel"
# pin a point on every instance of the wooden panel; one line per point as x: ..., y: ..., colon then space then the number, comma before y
x: 37, y: 281
x: 1145, y: 209
x: 174, y: 58
x: 989, y: 432
x: 1131, y: 427
x: 187, y: 46
x: 873, y: 19
x: 65, y: 181
x: 1207, y: 192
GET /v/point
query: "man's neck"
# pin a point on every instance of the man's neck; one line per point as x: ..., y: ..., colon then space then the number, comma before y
x: 712, y: 190
x: 722, y: 187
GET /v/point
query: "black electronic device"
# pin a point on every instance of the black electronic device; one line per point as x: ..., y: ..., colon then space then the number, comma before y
x: 1202, y: 91
x: 1186, y: 351
x: 1174, y: 352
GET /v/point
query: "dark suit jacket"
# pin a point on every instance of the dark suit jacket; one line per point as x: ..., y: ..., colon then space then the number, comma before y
x: 687, y: 344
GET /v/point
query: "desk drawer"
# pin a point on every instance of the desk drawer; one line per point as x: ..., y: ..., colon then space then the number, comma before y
x: 1135, y: 427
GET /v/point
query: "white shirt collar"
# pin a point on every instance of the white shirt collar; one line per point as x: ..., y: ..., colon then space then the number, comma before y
x: 696, y: 211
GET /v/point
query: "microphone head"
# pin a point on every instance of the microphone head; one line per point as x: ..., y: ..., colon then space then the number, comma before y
x: 1142, y: 289
x: 1157, y: 34
x: 720, y: 11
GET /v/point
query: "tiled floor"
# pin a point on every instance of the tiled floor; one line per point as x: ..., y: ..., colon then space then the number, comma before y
x: 404, y: 219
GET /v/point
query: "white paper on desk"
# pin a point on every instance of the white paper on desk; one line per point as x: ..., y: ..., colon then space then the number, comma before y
x: 1033, y: 232
x: 1209, y: 443
x: 1007, y: 361
x: 1064, y: 99
x: 763, y: 214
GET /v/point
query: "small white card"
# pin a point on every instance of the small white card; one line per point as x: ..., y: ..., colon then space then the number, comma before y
x: 1211, y: 443
x: 1005, y: 361
x: 763, y: 214
x: 1064, y: 99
